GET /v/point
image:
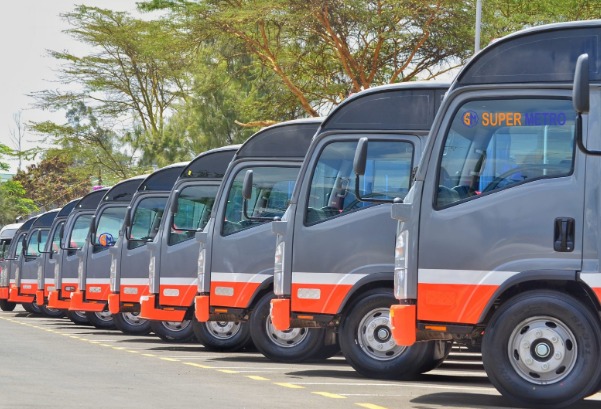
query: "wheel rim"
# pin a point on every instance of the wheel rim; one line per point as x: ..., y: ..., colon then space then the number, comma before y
x: 542, y: 350
x: 80, y: 314
x: 287, y: 339
x: 375, y: 336
x: 133, y: 318
x: 104, y: 315
x: 223, y: 329
x: 176, y: 326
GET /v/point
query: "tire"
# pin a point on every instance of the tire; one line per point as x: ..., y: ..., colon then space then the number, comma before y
x: 539, y: 328
x: 6, y: 305
x: 366, y: 341
x: 292, y: 346
x: 52, y: 312
x: 101, y: 320
x: 172, y: 331
x: 78, y: 317
x: 130, y: 323
x: 221, y: 335
x: 32, y: 308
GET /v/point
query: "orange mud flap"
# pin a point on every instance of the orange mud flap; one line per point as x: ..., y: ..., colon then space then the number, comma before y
x: 201, y: 308
x: 78, y: 304
x: 403, y: 319
x: 149, y: 312
x: 39, y: 297
x: 4, y: 293
x: 114, y: 303
x: 14, y: 296
x: 280, y: 313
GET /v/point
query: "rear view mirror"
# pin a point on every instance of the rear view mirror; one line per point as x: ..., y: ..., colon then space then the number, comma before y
x: 175, y: 202
x: 581, y: 100
x: 247, y: 186
x: 360, y: 159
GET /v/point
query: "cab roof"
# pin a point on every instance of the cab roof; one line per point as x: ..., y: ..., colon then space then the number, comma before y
x: 66, y: 209
x: 162, y: 179
x: 210, y: 164
x: 91, y: 200
x: 45, y: 220
x: 124, y: 190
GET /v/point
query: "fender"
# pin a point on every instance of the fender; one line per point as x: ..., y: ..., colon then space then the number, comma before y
x: 365, y: 281
x: 266, y: 285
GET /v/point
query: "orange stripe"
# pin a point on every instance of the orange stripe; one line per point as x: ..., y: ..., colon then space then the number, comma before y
x: 598, y: 293
x: 103, y: 295
x: 242, y: 294
x: 184, y: 299
x: 31, y: 290
x: 460, y: 303
x: 330, y: 301
x: 142, y: 290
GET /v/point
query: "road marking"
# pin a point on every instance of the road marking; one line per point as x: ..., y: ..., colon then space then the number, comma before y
x: 227, y: 371
x: 330, y: 395
x: 198, y: 365
x: 150, y: 355
x: 169, y: 359
x: 118, y: 348
x: 257, y: 378
x: 105, y: 345
x: 370, y: 406
x: 132, y: 351
x: 289, y: 385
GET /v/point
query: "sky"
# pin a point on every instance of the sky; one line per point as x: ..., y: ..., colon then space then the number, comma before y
x: 28, y: 28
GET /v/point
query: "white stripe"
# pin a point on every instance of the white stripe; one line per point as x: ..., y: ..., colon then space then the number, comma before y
x: 29, y: 281
x: 134, y: 281
x: 239, y: 277
x: 179, y: 281
x: 326, y: 278
x: 90, y: 281
x: 69, y: 281
x: 466, y: 277
x: 592, y: 279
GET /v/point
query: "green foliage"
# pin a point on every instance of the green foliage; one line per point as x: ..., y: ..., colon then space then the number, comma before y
x: 14, y: 202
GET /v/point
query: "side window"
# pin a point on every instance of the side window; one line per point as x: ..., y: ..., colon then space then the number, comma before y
x: 146, y: 220
x: 272, y: 189
x: 194, y: 205
x: 496, y: 144
x: 19, y: 246
x: 4, y: 244
x: 332, y: 191
x: 79, y: 233
x: 56, y: 237
x: 33, y: 246
x: 109, y: 222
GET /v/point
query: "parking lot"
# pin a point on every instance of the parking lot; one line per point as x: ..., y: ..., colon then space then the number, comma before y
x: 53, y: 363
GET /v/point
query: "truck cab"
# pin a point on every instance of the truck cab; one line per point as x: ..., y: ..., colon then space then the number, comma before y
x: 235, y: 262
x: 130, y: 259
x: 174, y: 279
x: 75, y: 233
x: 12, y: 263
x: 327, y: 276
x: 498, y: 238
x: 26, y: 281
x: 94, y: 259
x: 7, y: 233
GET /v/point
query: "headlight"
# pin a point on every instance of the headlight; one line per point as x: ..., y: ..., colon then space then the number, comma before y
x: 57, y: 275
x: 152, y: 271
x: 278, y: 269
x: 114, y: 274
x: 41, y: 276
x: 201, y: 269
x: 80, y: 277
x: 400, y: 264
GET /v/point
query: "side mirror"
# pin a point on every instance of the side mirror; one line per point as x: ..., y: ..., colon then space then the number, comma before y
x: 175, y: 202
x: 25, y: 245
x: 581, y: 100
x: 247, y: 186
x: 360, y: 160
x: 127, y: 223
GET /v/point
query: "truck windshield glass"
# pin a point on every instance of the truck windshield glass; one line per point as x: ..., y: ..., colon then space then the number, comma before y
x: 79, y: 233
x: 495, y: 144
x: 146, y: 220
x: 387, y: 176
x: 33, y: 246
x: 271, y: 191
x: 194, y: 206
x: 109, y: 222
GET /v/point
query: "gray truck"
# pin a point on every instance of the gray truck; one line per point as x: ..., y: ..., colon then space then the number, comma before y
x: 9, y: 261
x: 173, y: 280
x: 498, y: 238
x: 235, y: 262
x: 94, y: 260
x: 348, y: 288
x: 130, y: 260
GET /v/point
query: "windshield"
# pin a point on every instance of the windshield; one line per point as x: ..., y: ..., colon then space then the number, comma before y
x: 146, y: 220
x: 109, y: 222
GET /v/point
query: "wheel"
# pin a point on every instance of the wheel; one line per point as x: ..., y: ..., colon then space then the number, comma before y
x: 366, y: 341
x: 78, y: 317
x: 292, y: 345
x: 130, y: 323
x: 6, y: 305
x: 101, y: 320
x: 52, y: 312
x: 32, y: 308
x: 221, y: 335
x: 173, y: 331
x: 542, y: 348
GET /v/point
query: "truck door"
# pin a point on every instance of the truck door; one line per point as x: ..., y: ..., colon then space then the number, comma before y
x: 326, y: 261
x: 505, y: 205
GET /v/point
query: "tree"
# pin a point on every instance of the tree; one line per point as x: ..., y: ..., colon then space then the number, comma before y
x: 13, y: 202
x: 17, y: 136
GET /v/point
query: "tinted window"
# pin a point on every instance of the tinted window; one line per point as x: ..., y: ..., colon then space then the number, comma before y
x: 146, y: 220
x: 495, y: 144
x: 57, y: 235
x: 34, y: 246
x: 194, y: 205
x: 80, y: 232
x: 332, y: 192
x: 109, y: 222
x: 271, y: 191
